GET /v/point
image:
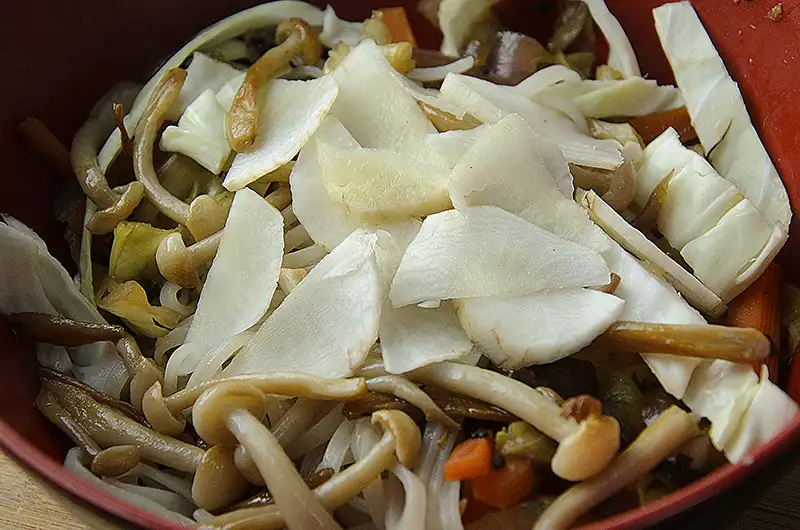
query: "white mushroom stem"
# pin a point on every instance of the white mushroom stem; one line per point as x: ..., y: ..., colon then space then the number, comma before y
x: 584, y: 449
x: 179, y: 263
x: 663, y: 438
x: 400, y: 442
x: 402, y: 388
x: 233, y: 412
x: 161, y: 412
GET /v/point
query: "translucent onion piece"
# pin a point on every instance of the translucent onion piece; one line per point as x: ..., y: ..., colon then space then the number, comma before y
x: 490, y: 252
x: 320, y: 433
x: 338, y: 445
x: 244, y: 274
x: 169, y: 297
x: 171, y: 340
x: 438, y: 73
x: 290, y: 113
x: 327, y: 325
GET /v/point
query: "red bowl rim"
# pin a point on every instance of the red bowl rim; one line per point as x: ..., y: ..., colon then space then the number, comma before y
x: 712, y: 484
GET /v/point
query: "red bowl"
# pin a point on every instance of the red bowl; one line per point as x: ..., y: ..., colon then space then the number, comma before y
x: 58, y: 59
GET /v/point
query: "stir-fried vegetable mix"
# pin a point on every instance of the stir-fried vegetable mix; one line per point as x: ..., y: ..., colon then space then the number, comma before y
x: 338, y: 281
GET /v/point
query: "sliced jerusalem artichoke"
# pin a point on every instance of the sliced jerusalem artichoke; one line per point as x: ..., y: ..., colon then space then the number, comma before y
x: 380, y: 184
x: 657, y: 442
x: 292, y: 111
x: 327, y: 325
x: 373, y: 103
x: 489, y: 252
x: 738, y: 345
x: 244, y: 274
x: 538, y: 328
x: 586, y: 445
x: 203, y: 73
x: 634, y: 241
x: 512, y: 167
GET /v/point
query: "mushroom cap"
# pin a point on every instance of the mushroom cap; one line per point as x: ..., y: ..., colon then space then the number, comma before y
x: 213, y: 408
x: 158, y: 415
x: 175, y: 262
x: 587, y: 451
x: 217, y: 483
x: 116, y: 461
x: 206, y: 217
x: 311, y: 47
x: 146, y: 375
x: 405, y: 432
x: 246, y: 466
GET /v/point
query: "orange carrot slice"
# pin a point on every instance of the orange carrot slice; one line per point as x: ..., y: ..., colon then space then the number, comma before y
x: 400, y: 30
x: 508, y: 485
x: 470, y: 459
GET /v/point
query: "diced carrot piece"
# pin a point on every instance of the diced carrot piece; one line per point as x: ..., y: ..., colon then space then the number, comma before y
x: 506, y: 486
x: 651, y: 126
x: 759, y: 307
x: 400, y: 30
x: 470, y: 459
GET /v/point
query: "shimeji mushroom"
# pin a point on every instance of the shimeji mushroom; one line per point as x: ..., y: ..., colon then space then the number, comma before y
x: 231, y: 413
x: 296, y: 39
x: 112, y: 206
x: 143, y: 371
x: 162, y: 99
x: 116, y: 460
x: 585, y: 447
x: 400, y: 443
x: 179, y: 263
x: 738, y: 345
x: 162, y: 412
x: 673, y: 429
x: 217, y: 482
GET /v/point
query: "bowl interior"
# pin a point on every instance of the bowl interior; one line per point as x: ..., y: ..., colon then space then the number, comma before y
x: 58, y: 59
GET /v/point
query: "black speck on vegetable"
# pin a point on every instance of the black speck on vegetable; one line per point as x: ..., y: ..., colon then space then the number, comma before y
x: 498, y: 461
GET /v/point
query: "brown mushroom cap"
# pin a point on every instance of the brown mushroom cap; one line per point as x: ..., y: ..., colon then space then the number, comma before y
x: 175, y: 262
x: 407, y: 437
x: 157, y: 413
x: 212, y: 410
x: 116, y: 461
x: 310, y: 49
x: 588, y: 451
x: 217, y: 483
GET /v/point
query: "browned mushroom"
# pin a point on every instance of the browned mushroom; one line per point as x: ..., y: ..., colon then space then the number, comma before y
x: 61, y: 331
x: 295, y: 39
x: 179, y: 263
x: 122, y: 407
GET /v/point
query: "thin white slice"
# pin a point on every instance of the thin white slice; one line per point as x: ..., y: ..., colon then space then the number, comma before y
x: 538, y: 328
x: 620, y: 52
x: 203, y: 73
x: 290, y: 111
x: 649, y: 299
x: 770, y: 411
x: 512, y: 167
x: 635, y: 242
x: 721, y: 391
x: 373, y: 104
x: 380, y: 184
x: 327, y: 325
x: 661, y: 156
x: 552, y: 76
x: 697, y: 198
x: 718, y: 112
x: 720, y: 255
x: 267, y: 15
x: 244, y: 273
x: 227, y: 93
x: 438, y: 73
x: 490, y: 103
x: 450, y: 146
x: 200, y: 133
x: 336, y: 30
x: 413, y: 337
x: 489, y: 252
x: 326, y: 221
x: 634, y: 96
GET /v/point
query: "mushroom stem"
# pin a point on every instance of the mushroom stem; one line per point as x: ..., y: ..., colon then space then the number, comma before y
x: 231, y: 413
x: 116, y: 461
x: 206, y: 217
x: 49, y: 406
x: 404, y: 389
x: 178, y: 263
x: 400, y: 442
x: 144, y: 372
x: 295, y: 38
x: 164, y: 95
x: 158, y: 408
x: 121, y: 406
x: 738, y: 345
x: 585, y: 448
x: 658, y: 441
x: 83, y: 157
x: 110, y: 428
x: 61, y: 331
